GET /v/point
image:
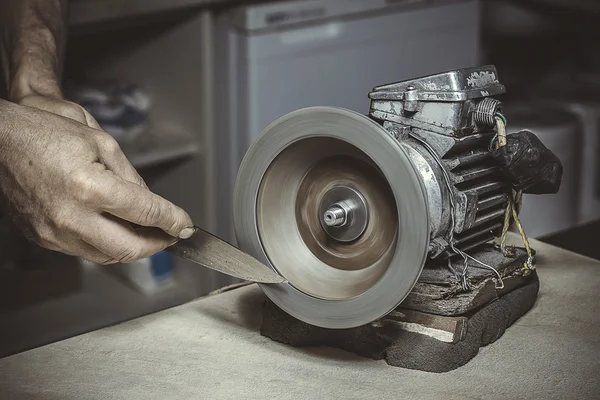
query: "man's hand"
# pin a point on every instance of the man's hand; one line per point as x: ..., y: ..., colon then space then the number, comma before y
x: 68, y: 185
x: 72, y: 190
x: 60, y: 107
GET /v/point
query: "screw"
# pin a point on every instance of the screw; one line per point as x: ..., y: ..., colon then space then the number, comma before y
x: 335, y: 216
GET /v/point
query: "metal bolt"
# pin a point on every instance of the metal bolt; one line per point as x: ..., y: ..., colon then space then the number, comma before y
x: 343, y: 213
x: 335, y: 216
x: 411, y: 98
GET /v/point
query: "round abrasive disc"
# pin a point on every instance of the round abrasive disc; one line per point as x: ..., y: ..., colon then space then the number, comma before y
x: 287, y: 174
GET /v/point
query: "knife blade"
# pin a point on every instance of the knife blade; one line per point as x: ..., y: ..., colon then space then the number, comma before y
x: 212, y: 252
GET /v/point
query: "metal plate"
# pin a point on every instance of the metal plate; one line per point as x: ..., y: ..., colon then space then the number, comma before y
x: 389, y: 286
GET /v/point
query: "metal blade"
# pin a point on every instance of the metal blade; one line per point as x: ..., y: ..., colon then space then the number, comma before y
x: 269, y: 189
x: 211, y: 252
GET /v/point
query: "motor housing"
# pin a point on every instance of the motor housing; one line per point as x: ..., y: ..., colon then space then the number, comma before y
x: 445, y: 123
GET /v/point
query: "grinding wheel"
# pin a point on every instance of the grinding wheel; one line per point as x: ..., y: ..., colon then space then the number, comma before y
x: 328, y: 199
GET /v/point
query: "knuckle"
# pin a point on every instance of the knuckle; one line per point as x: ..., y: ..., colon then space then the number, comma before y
x: 141, y: 182
x: 64, y: 221
x: 109, y: 144
x: 53, y: 232
x: 43, y: 235
x: 85, y: 188
x: 79, y: 145
x: 73, y: 111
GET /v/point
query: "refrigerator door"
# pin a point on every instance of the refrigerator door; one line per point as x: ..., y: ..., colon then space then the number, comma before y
x: 333, y: 58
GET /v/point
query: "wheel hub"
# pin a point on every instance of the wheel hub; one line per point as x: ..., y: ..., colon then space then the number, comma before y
x: 344, y: 213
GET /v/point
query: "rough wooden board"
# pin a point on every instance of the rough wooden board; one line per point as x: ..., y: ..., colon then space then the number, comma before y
x: 449, y: 329
x: 436, y: 319
x: 439, y: 292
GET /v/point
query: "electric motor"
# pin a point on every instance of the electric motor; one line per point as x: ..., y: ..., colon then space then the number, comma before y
x: 349, y: 208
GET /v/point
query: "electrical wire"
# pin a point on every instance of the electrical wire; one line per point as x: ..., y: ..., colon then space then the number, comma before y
x: 497, y: 141
x: 463, y: 276
x: 511, y: 210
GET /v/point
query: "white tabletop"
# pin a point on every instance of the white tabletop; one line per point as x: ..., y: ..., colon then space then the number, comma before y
x: 211, y: 349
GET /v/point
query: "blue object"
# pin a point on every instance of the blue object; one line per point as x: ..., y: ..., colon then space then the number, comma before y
x: 161, y: 265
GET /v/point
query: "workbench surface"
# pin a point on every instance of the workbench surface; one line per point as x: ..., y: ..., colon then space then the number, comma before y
x: 211, y: 349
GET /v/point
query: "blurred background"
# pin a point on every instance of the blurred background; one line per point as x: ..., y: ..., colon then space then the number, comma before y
x: 186, y: 85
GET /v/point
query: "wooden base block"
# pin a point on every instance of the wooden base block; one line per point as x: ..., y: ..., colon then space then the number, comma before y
x: 439, y: 327
x: 438, y: 291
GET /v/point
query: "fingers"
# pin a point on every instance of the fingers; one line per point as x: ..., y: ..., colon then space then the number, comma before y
x: 74, y: 246
x: 105, y: 239
x: 88, y: 252
x: 111, y: 240
x: 113, y: 158
x: 90, y: 121
x: 140, y: 206
x: 70, y: 110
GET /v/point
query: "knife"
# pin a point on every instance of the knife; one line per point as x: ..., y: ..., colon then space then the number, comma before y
x: 212, y: 252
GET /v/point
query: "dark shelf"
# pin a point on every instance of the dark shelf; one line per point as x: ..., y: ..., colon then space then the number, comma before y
x: 159, y: 145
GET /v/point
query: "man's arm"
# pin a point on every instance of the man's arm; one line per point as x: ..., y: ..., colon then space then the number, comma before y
x: 32, y: 49
x: 68, y: 186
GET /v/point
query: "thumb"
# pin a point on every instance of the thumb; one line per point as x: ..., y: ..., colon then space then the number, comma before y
x: 136, y: 204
